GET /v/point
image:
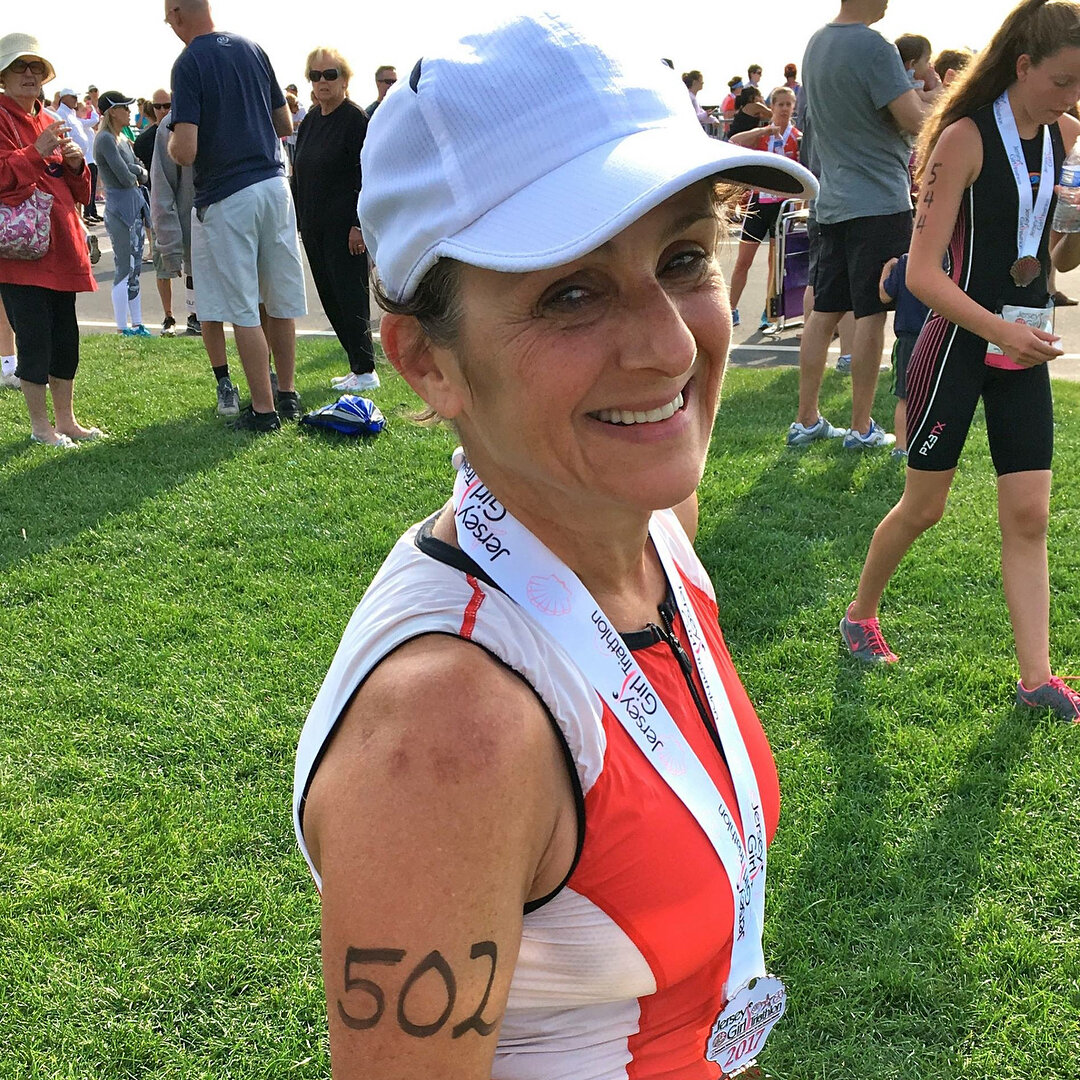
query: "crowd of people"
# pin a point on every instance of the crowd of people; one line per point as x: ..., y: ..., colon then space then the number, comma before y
x: 564, y: 311
x: 229, y: 230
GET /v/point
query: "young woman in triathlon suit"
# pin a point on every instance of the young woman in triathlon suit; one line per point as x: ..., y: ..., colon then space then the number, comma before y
x: 989, y: 156
x: 763, y: 209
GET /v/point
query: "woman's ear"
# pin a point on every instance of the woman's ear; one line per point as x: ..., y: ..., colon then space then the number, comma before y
x: 431, y: 370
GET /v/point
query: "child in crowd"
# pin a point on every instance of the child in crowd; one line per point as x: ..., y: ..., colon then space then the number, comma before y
x: 915, y: 52
x: 907, y: 322
x: 950, y: 62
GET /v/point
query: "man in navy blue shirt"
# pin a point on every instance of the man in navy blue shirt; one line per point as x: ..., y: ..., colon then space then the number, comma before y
x: 228, y: 118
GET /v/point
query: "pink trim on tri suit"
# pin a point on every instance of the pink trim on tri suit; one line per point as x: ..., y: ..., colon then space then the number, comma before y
x: 928, y: 356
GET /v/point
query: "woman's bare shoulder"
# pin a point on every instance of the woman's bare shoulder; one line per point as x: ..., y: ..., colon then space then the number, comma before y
x: 438, y: 719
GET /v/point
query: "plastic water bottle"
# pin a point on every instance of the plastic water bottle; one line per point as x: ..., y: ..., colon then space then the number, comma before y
x: 1067, y: 216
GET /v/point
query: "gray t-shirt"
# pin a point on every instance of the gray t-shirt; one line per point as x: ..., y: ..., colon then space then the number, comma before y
x: 850, y: 74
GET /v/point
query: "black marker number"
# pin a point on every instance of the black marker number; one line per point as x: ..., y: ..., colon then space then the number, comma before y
x: 475, y: 1022
x: 367, y: 956
x: 432, y: 962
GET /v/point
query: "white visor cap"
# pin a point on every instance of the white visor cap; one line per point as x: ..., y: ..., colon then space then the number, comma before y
x: 528, y: 145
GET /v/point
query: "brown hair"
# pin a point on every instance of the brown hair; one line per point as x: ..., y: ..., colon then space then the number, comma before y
x: 911, y: 47
x: 954, y: 59
x: 1035, y: 28
x: 783, y: 91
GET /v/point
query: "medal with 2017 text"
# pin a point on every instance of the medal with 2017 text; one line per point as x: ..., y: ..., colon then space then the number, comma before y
x: 553, y: 597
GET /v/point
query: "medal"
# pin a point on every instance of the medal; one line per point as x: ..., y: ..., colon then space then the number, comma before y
x: 1032, y: 210
x: 1025, y: 270
x: 744, y: 1025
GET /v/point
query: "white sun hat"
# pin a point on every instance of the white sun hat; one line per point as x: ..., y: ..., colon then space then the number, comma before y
x: 527, y: 145
x: 12, y: 46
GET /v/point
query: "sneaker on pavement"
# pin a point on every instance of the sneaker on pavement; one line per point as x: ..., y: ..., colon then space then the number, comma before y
x: 288, y: 405
x: 803, y: 436
x: 875, y: 437
x: 10, y: 380
x: 864, y: 640
x: 94, y: 247
x: 734, y: 317
x: 228, y: 398
x: 843, y: 365
x: 1054, y: 695
x: 194, y: 327
x: 261, y: 423
x: 168, y: 326
x: 364, y: 380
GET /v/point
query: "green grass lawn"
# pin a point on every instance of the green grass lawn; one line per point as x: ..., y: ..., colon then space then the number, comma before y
x: 170, y: 600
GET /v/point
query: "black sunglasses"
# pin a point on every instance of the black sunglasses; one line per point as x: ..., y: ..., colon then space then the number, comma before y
x: 162, y: 104
x: 389, y: 82
x: 329, y: 75
x: 35, y: 66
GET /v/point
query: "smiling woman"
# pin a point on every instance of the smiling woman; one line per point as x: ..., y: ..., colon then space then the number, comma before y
x: 532, y: 789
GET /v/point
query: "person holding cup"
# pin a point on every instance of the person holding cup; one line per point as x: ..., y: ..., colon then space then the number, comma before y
x: 37, y: 152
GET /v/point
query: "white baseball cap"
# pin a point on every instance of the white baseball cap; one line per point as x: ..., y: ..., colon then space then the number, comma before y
x: 529, y: 144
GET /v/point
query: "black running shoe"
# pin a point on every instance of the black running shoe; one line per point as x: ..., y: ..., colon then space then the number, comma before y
x: 288, y: 405
x: 168, y: 326
x: 194, y: 327
x: 260, y: 423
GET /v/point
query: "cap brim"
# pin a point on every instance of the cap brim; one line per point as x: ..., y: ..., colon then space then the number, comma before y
x: 614, y: 185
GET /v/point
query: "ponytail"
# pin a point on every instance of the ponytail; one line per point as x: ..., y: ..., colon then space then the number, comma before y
x: 1035, y: 28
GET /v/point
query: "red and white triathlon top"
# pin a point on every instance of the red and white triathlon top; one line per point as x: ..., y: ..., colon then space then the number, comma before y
x: 786, y: 145
x: 622, y: 970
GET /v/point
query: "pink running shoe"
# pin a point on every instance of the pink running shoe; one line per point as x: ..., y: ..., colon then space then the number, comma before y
x: 1054, y: 695
x: 864, y: 640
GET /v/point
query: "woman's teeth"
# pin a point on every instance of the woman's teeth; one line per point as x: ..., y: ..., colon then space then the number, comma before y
x: 653, y: 416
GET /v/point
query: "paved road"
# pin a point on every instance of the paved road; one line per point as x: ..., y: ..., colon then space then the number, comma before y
x: 750, y: 348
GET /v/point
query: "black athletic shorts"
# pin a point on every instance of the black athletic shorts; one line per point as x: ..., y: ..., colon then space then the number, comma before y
x: 850, y: 259
x: 760, y: 220
x: 946, y: 376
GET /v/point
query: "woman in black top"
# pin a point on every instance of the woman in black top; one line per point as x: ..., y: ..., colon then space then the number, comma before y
x: 751, y: 111
x: 326, y: 182
x: 989, y: 159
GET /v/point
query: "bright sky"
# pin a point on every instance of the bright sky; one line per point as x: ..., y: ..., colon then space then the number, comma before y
x: 135, y: 54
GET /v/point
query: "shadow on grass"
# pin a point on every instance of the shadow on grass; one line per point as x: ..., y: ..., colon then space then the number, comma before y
x: 67, y: 492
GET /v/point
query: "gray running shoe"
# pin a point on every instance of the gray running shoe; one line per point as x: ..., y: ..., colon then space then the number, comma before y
x: 803, y: 436
x: 875, y: 437
x: 864, y: 640
x: 843, y: 365
x: 1054, y: 695
x: 228, y: 398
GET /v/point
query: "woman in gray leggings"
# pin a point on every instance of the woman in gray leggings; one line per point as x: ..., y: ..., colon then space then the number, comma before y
x: 125, y: 207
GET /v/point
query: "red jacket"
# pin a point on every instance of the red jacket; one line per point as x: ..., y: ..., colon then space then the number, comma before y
x: 65, y: 267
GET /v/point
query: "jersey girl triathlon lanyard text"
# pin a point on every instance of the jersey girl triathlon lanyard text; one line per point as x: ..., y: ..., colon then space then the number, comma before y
x: 1032, y: 218
x: 552, y: 595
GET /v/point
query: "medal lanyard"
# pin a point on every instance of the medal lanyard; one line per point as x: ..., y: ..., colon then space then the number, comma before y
x: 1031, y: 219
x: 778, y: 142
x: 554, y: 598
